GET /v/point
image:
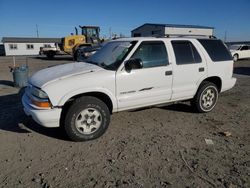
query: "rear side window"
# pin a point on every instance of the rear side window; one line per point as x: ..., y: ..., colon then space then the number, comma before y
x: 185, y: 52
x: 216, y: 50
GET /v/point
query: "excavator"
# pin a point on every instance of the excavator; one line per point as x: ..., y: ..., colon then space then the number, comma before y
x: 75, y: 43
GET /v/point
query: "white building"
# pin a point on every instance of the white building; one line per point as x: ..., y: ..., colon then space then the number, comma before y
x: 149, y: 29
x: 26, y: 46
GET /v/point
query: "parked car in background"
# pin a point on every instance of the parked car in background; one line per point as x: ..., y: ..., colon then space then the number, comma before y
x: 51, y: 51
x: 127, y: 74
x: 240, y: 51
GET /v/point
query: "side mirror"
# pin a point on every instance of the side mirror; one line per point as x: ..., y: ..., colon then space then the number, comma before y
x: 135, y: 63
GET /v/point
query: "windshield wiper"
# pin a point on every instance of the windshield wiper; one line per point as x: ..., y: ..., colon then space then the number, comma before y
x: 91, y: 62
x: 103, y: 65
x: 108, y: 67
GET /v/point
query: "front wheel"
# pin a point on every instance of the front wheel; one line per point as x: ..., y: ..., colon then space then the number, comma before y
x: 87, y: 119
x: 79, y: 54
x: 235, y: 57
x: 206, y: 97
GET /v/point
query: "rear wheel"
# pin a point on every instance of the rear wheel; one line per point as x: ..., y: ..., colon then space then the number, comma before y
x: 50, y: 55
x: 76, y: 55
x: 87, y: 119
x: 206, y: 97
x: 235, y: 57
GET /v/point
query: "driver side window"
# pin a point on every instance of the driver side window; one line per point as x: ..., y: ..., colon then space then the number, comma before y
x: 152, y: 54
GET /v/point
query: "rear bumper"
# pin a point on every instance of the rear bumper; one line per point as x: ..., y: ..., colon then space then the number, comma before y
x: 44, y: 117
x: 228, y: 84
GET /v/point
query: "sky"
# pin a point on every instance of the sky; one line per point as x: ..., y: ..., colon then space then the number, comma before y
x: 55, y: 18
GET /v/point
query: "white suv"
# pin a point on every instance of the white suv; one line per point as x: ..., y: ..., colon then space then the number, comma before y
x: 128, y: 74
x: 240, y: 51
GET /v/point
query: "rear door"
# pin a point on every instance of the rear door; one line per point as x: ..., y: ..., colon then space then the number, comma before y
x: 189, y: 68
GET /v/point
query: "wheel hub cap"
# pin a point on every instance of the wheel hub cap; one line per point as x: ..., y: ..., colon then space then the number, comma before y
x: 208, y: 98
x: 88, y: 121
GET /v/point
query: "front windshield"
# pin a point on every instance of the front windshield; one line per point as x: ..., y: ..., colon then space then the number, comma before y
x: 234, y: 47
x: 111, y: 55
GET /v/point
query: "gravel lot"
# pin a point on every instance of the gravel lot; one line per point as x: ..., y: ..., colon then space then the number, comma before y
x: 156, y: 147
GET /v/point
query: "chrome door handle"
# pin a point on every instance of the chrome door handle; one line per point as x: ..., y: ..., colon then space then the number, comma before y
x: 201, y: 69
x: 168, y: 73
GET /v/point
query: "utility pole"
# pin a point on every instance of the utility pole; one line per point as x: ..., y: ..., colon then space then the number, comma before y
x: 110, y: 34
x: 37, y: 33
x: 225, y: 36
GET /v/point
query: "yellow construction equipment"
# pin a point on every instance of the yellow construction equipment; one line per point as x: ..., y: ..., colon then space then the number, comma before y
x: 74, y: 43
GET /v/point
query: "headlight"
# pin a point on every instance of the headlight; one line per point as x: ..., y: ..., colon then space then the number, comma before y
x: 39, y: 98
x: 38, y: 93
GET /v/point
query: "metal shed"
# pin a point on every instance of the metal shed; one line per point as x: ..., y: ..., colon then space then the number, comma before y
x: 150, y: 29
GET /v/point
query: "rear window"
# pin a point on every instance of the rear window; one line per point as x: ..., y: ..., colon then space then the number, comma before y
x: 216, y: 50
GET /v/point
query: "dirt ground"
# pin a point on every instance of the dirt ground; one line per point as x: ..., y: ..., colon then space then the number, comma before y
x: 156, y: 147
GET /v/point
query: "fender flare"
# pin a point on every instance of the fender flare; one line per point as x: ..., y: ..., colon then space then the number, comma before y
x: 71, y: 94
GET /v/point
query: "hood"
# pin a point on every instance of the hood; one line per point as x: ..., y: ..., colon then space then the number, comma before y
x: 48, y: 75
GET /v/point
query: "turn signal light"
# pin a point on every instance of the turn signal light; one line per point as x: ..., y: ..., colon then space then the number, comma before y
x: 42, y: 104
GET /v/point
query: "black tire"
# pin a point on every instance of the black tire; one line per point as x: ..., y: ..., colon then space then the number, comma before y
x: 50, y: 55
x: 78, y: 55
x: 236, y: 57
x: 78, y: 111
x: 75, y: 56
x: 203, y: 101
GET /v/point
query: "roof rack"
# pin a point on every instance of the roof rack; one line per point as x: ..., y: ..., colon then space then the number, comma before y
x: 181, y: 35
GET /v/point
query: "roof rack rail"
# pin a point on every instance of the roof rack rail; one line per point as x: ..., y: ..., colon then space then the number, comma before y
x: 181, y: 35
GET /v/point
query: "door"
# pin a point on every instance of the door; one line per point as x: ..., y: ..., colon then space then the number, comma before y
x: 189, y: 68
x: 148, y: 85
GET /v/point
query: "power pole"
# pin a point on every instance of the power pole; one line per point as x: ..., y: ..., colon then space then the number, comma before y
x: 110, y: 33
x: 37, y: 33
x: 225, y: 36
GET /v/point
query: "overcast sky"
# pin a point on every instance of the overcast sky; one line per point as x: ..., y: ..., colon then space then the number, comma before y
x: 57, y: 18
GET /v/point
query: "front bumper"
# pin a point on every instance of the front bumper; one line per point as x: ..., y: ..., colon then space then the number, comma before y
x: 44, y: 117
